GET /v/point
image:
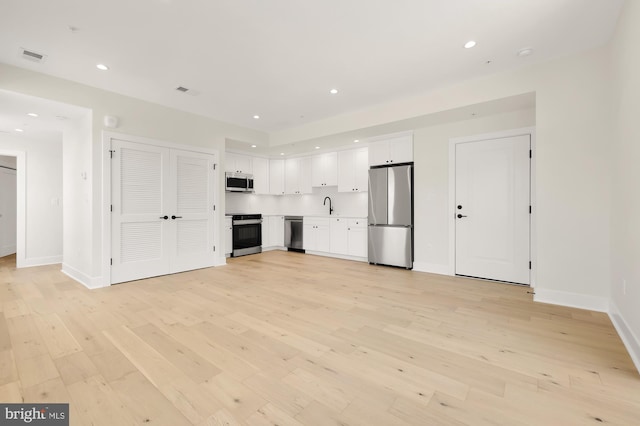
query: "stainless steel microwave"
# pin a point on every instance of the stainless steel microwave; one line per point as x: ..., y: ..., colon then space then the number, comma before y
x: 238, y: 182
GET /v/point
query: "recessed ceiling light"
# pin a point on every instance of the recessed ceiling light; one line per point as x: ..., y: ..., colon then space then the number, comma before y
x: 102, y: 67
x: 356, y: 140
x: 32, y: 114
x: 333, y: 91
x: 469, y: 44
x: 525, y: 52
x: 256, y: 117
x: 253, y: 146
x: 282, y: 153
x: 19, y: 130
x: 317, y: 147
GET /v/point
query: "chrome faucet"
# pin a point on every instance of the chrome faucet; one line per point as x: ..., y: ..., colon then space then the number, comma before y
x: 325, y: 203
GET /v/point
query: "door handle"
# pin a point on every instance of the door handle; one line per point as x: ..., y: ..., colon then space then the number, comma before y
x: 164, y: 217
x: 460, y: 216
x: 176, y: 217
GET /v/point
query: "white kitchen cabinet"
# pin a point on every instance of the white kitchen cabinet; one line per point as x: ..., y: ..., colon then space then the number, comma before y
x: 261, y: 175
x: 357, y: 238
x: 394, y: 150
x: 297, y: 172
x: 316, y: 234
x: 276, y: 177
x: 238, y: 163
x: 273, y: 231
x: 353, y: 167
x: 349, y: 236
x: 338, y: 235
x: 324, y: 169
x: 228, y: 235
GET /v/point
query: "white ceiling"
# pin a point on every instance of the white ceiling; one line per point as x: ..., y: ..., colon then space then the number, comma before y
x: 52, y: 118
x: 279, y: 58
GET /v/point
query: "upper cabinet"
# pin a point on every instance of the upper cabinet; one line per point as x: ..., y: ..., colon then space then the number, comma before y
x: 276, y: 177
x: 261, y: 175
x: 353, y: 166
x: 391, y: 151
x: 324, y: 169
x: 238, y: 163
x: 296, y: 171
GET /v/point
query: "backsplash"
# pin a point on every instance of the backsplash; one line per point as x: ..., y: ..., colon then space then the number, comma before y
x: 344, y: 203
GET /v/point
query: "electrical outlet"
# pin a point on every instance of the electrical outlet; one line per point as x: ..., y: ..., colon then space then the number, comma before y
x: 624, y: 287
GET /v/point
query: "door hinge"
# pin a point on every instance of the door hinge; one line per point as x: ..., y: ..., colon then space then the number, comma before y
x: 214, y: 248
x: 214, y: 207
x: 214, y: 166
x: 529, y: 209
x: 111, y: 263
x: 530, y: 154
x: 111, y: 208
x: 111, y: 151
x: 529, y: 264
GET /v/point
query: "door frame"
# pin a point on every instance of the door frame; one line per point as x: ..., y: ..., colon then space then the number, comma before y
x: 107, y: 137
x: 531, y: 131
x: 21, y: 205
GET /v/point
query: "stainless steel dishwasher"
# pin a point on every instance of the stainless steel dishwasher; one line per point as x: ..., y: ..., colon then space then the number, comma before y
x: 293, y: 237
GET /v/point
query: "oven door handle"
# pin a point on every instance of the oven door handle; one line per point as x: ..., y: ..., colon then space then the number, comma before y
x: 247, y: 222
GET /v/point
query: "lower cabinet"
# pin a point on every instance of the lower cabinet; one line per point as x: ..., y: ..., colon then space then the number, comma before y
x: 272, y: 231
x: 316, y: 234
x: 349, y: 237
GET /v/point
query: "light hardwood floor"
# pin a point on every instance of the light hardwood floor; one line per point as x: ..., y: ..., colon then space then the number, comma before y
x: 288, y: 339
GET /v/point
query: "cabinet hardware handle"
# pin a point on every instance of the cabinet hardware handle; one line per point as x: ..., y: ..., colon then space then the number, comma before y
x: 176, y: 217
x: 164, y: 217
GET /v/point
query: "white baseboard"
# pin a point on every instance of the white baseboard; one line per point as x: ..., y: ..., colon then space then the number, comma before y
x: 84, y: 279
x: 573, y: 300
x: 630, y: 340
x: 274, y: 248
x: 39, y: 261
x: 431, y: 268
x: 337, y: 256
x: 220, y: 261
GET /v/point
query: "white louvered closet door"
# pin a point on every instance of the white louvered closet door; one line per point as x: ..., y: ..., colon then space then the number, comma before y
x: 140, y: 234
x: 192, y: 175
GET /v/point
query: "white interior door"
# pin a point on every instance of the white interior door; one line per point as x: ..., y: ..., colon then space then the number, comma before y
x: 8, y: 211
x: 140, y: 175
x: 192, y: 175
x: 492, y: 209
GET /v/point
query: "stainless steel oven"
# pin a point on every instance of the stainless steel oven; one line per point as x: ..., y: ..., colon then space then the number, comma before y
x: 247, y: 234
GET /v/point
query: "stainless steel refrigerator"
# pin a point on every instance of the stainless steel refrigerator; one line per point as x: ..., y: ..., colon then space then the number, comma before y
x: 391, y: 216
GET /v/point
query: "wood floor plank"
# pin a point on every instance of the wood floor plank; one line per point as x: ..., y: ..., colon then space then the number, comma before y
x: 287, y: 338
x: 187, y: 396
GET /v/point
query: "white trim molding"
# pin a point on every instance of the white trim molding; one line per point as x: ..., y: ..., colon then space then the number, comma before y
x: 84, y: 279
x: 572, y: 300
x: 41, y: 261
x: 630, y: 340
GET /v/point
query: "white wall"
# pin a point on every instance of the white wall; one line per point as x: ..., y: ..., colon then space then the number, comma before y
x: 43, y: 218
x: 137, y: 118
x: 77, y: 199
x: 625, y: 240
x: 431, y: 206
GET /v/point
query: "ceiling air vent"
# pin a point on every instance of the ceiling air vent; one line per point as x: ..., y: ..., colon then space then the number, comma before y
x: 32, y: 56
x: 188, y: 91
